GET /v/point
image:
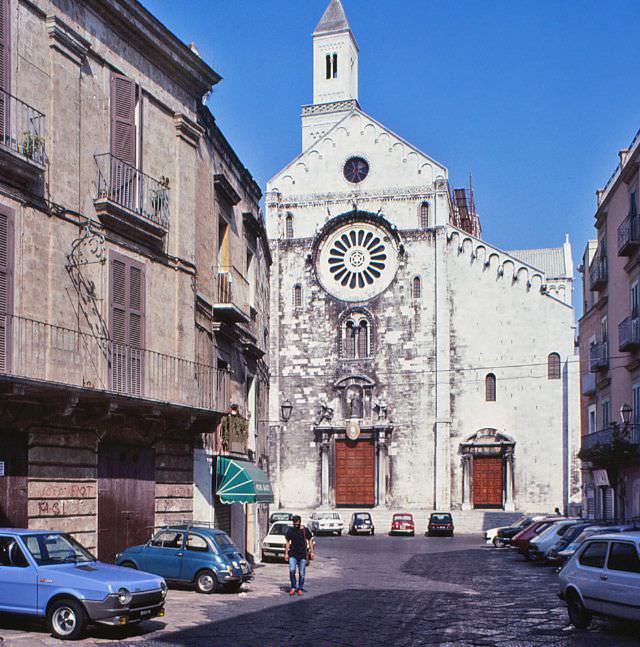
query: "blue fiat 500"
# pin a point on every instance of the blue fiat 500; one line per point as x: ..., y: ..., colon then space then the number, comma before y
x: 204, y: 557
x: 44, y: 573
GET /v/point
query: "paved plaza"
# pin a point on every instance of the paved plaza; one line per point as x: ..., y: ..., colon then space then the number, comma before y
x: 370, y: 591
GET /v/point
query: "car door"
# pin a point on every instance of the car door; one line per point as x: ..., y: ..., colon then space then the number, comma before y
x: 163, y: 554
x: 197, y: 555
x: 621, y: 594
x: 18, y: 578
x: 590, y: 574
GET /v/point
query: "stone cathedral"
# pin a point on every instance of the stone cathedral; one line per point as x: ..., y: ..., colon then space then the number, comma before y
x: 414, y: 364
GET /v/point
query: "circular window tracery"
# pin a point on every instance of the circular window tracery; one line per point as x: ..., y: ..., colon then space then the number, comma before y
x: 356, y: 169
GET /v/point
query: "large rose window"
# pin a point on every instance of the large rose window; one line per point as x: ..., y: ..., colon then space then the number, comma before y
x: 357, y: 262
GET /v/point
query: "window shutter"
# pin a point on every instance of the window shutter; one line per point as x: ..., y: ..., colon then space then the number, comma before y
x: 123, y: 128
x: 6, y: 284
x: 5, y: 44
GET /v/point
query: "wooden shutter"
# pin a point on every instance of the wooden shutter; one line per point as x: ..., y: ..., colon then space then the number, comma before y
x: 5, y: 67
x: 6, y: 285
x: 127, y: 324
x: 123, y: 128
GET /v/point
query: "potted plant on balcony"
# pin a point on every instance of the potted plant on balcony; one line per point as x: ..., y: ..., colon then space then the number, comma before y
x: 234, y: 430
x: 31, y: 144
x: 159, y: 196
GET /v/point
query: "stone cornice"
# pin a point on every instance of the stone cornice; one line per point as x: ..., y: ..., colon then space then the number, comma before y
x: 187, y: 130
x: 67, y: 41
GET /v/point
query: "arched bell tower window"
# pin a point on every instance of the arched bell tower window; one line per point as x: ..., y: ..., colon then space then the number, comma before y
x: 297, y: 296
x: 356, y: 336
x: 331, y: 63
x: 553, y: 366
x: 288, y: 226
x: 490, y: 388
x: 328, y: 61
x: 424, y: 215
x: 416, y: 287
x: 335, y: 66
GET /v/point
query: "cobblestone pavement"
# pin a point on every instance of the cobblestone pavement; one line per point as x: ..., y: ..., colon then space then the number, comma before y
x: 371, y: 591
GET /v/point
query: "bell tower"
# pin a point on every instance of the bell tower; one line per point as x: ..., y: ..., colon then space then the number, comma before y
x: 335, y: 57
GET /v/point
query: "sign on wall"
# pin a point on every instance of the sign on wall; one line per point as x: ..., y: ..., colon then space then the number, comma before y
x: 600, y: 478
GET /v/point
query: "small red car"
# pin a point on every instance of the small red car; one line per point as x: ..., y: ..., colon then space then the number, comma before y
x: 402, y: 524
x: 440, y: 523
x: 522, y: 539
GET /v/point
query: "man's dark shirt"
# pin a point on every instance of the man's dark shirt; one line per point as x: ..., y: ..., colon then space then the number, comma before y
x: 298, y: 538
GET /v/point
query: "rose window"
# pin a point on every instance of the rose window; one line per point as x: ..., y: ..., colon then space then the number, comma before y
x: 357, y: 261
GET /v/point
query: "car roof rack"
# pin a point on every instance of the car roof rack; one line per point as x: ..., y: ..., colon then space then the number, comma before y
x: 187, y: 524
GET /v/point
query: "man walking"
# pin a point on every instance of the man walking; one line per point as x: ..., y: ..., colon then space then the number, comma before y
x: 298, y: 549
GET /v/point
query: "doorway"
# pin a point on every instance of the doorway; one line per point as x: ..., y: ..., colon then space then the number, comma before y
x: 13, y: 482
x: 488, y: 481
x: 355, y: 472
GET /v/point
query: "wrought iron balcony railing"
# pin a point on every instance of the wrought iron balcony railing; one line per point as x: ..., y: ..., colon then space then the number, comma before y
x: 599, y: 356
x: 606, y: 436
x: 233, y: 295
x: 22, y: 128
x: 130, y: 189
x: 598, y: 273
x: 629, y: 334
x: 628, y: 235
x: 41, y: 352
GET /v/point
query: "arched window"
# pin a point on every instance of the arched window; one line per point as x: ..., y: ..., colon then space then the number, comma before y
x: 424, y: 215
x: 297, y: 296
x: 416, y: 287
x: 335, y: 66
x: 553, y: 366
x: 363, y: 338
x: 288, y: 226
x: 490, y: 388
x: 328, y: 66
x: 350, y: 339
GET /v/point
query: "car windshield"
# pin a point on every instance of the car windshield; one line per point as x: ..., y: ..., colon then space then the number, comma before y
x: 279, y: 528
x: 402, y: 517
x: 571, y: 533
x: 328, y: 515
x: 280, y: 516
x: 224, y: 543
x: 57, y: 549
x: 441, y: 518
x: 363, y: 516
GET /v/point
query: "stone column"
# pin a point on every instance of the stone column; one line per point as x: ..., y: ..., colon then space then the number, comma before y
x: 383, y: 460
x: 324, y: 458
x: 509, y: 504
x: 466, y: 482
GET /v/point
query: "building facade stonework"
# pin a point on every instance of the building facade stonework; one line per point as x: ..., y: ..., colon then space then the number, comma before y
x: 425, y: 367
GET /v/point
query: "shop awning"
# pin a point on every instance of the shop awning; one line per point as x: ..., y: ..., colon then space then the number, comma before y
x: 242, y: 482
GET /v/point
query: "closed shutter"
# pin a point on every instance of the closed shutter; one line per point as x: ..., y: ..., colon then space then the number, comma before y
x: 6, y: 285
x: 5, y: 66
x: 123, y: 128
x: 127, y: 324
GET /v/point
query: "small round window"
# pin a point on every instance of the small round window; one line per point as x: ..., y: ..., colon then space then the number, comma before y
x: 356, y: 169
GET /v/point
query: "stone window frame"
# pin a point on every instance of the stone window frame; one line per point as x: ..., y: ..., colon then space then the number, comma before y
x: 355, y: 318
x: 423, y: 214
x: 416, y: 287
x: 490, y: 387
x: 297, y: 296
x: 288, y: 226
x: 554, y: 367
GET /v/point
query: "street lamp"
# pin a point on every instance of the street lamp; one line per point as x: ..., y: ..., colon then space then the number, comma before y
x: 625, y: 415
x: 286, y: 408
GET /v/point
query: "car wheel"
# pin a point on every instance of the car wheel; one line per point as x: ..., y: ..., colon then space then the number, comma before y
x: 496, y: 542
x: 339, y: 533
x: 234, y: 587
x: 129, y: 565
x: 67, y: 619
x: 206, y: 582
x: 413, y: 534
x: 578, y: 614
x: 373, y: 533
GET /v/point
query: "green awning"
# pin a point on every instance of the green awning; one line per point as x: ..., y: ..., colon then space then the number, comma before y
x: 242, y: 482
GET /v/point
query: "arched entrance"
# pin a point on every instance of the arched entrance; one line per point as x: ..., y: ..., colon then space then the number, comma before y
x: 487, y: 470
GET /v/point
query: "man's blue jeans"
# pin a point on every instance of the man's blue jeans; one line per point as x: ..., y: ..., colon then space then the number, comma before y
x: 301, y: 565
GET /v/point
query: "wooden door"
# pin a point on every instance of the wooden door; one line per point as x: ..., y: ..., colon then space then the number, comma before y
x: 126, y: 498
x: 488, y: 481
x: 355, y: 472
x: 13, y: 485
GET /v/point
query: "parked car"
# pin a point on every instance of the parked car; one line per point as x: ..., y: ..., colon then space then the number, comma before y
x: 44, y: 573
x: 540, y: 545
x: 499, y: 537
x: 325, y: 522
x: 440, y: 523
x: 522, y: 539
x: 566, y: 553
x: 569, y: 536
x: 280, y: 516
x: 204, y: 557
x: 402, y: 524
x: 273, y: 544
x: 603, y: 577
x: 361, y: 522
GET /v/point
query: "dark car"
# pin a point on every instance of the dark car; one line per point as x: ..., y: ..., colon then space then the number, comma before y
x: 522, y: 539
x: 440, y: 523
x: 280, y: 516
x: 565, y: 540
x: 505, y: 535
x: 361, y: 523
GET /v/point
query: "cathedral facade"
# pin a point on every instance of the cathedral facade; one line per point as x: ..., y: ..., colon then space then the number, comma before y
x: 414, y: 364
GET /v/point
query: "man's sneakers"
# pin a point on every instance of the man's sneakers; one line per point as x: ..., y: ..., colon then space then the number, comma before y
x: 292, y: 592
x: 300, y: 591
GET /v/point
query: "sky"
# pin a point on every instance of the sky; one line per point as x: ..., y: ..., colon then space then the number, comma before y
x: 533, y: 98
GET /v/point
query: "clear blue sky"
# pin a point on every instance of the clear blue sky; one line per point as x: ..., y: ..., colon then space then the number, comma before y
x: 533, y: 98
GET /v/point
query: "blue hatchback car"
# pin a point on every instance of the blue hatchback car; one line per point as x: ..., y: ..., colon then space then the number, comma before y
x: 203, y: 557
x: 44, y: 573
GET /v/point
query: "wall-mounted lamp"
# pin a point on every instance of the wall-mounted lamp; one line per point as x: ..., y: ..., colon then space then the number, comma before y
x: 286, y: 408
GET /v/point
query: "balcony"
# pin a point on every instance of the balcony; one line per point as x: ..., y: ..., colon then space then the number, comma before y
x: 588, y: 383
x: 598, y: 274
x: 628, y: 235
x: 131, y: 202
x: 602, y: 437
x: 232, y: 303
x: 629, y: 334
x: 42, y: 353
x: 599, y: 357
x: 22, y: 138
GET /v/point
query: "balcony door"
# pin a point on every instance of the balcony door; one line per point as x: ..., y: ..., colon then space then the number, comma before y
x: 126, y: 325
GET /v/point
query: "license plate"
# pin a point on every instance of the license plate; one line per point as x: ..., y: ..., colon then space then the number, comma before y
x: 145, y: 613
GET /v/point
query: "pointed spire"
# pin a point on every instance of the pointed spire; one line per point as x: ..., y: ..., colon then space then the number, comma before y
x: 333, y: 19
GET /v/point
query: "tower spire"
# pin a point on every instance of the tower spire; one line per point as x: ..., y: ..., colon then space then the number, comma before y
x: 333, y: 19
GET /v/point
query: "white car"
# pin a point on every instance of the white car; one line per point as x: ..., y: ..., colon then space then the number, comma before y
x: 491, y: 536
x: 273, y: 544
x: 325, y: 522
x: 540, y: 545
x: 603, y: 577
